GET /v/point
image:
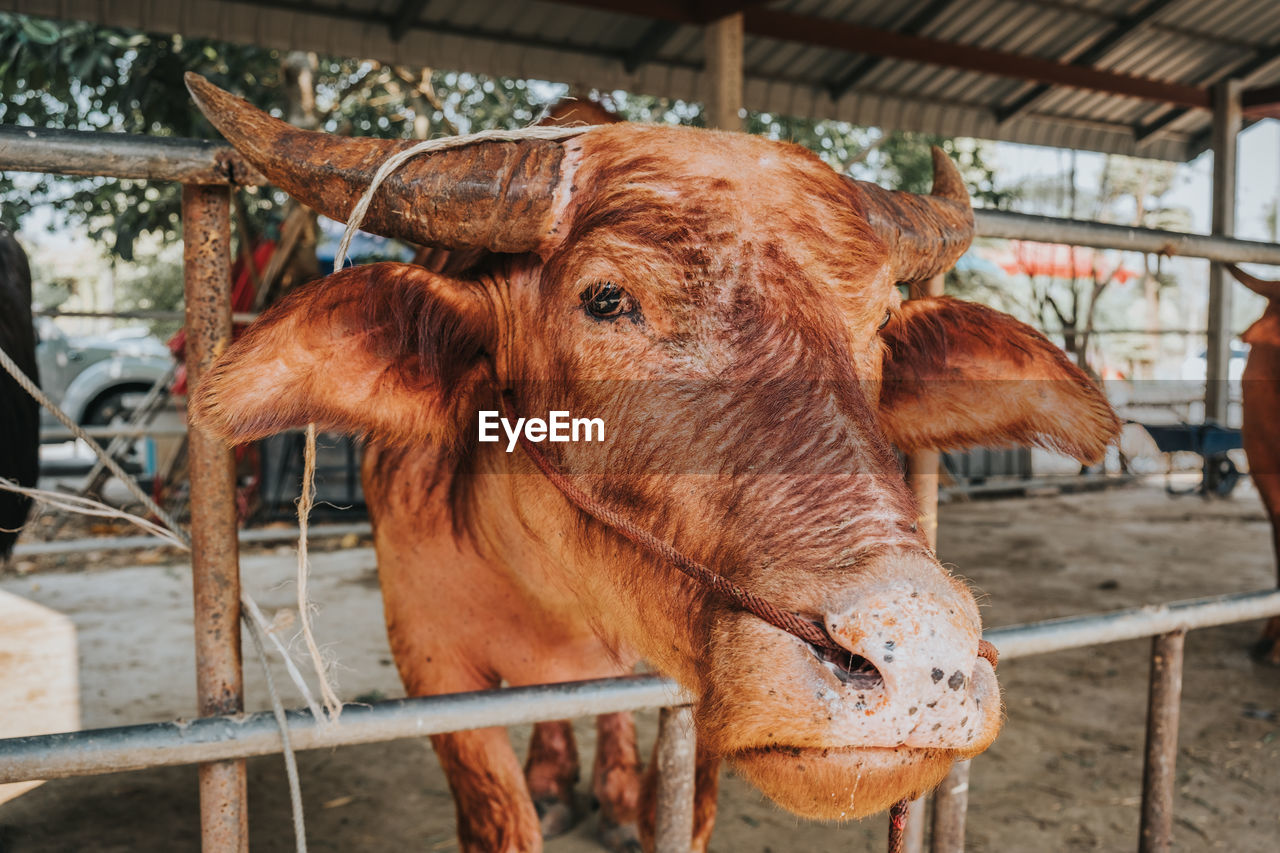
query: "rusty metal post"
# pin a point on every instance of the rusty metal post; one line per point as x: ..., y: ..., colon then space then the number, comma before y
x: 1163, y: 703
x: 922, y: 477
x: 922, y: 466
x: 677, y: 749
x: 950, y: 807
x: 913, y: 833
x: 215, y: 571
x: 723, y: 43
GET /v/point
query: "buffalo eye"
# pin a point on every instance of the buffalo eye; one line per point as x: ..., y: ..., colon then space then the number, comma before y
x: 604, y: 300
x: 888, y: 315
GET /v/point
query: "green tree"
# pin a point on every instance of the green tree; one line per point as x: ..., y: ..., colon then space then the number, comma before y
x: 78, y: 76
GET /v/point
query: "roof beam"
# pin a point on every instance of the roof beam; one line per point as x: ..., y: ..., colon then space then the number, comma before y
x: 859, y: 71
x: 839, y: 35
x: 404, y: 17
x: 1087, y: 55
x: 1263, y: 102
x: 824, y: 32
x: 651, y: 41
x: 1260, y: 60
x: 676, y: 11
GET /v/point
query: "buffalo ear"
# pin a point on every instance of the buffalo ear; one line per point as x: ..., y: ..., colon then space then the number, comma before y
x: 958, y: 374
x: 387, y: 349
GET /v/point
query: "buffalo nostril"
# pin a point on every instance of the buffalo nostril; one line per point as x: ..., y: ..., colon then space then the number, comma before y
x: 848, y: 668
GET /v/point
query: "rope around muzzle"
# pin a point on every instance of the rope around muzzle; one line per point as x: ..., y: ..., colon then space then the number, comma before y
x: 785, y: 620
x: 898, y: 813
x: 792, y: 623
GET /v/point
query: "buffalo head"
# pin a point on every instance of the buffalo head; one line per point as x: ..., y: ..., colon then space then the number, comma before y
x: 729, y: 307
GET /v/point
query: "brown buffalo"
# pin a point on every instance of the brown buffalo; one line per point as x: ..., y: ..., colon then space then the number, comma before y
x: 579, y: 111
x: 728, y: 307
x: 1260, y: 390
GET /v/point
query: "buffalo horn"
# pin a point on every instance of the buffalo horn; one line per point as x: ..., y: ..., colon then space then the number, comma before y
x: 486, y: 195
x: 925, y: 234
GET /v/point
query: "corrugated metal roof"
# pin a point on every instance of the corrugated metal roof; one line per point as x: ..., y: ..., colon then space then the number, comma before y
x: 1191, y: 42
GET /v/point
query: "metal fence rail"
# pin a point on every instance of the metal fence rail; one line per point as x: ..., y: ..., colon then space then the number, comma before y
x: 230, y: 737
x: 121, y: 155
x: 1101, y: 235
x: 239, y: 736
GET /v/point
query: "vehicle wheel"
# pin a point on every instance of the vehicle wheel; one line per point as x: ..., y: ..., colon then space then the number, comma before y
x: 115, y: 408
x: 1221, y: 475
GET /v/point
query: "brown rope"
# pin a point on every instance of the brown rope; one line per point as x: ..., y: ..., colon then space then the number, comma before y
x: 898, y: 826
x: 808, y: 631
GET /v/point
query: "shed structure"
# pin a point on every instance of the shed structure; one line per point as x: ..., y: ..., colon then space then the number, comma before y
x: 1119, y: 76
x: 1165, y: 79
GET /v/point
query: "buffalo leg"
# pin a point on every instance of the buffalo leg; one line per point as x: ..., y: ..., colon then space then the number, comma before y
x: 551, y: 773
x: 615, y: 782
x: 706, y: 791
x: 1268, y: 485
x: 495, y: 814
x: 704, y: 803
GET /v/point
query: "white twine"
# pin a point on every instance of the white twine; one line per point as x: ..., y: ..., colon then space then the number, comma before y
x: 395, y: 161
x: 332, y: 704
x: 172, y: 533
x: 12, y: 368
x: 88, y: 506
x: 290, y: 761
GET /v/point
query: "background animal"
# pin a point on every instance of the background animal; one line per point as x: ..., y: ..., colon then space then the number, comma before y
x: 728, y: 306
x: 19, y: 413
x: 1260, y: 391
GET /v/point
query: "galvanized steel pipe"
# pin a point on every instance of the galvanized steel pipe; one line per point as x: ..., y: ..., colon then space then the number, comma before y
x: 223, y: 738
x: 1099, y: 235
x: 1073, y: 632
x: 218, y: 738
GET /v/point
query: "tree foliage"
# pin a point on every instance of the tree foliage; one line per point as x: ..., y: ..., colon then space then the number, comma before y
x: 74, y: 75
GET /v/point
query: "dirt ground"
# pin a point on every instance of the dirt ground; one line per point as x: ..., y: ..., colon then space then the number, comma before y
x: 1064, y: 775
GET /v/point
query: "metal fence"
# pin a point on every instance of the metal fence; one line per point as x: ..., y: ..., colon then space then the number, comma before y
x: 229, y: 738
x: 223, y: 736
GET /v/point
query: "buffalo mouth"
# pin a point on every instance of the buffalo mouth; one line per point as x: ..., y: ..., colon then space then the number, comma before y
x: 842, y: 783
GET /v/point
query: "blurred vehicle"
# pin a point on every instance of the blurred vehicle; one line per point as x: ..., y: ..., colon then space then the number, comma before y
x: 98, y: 380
